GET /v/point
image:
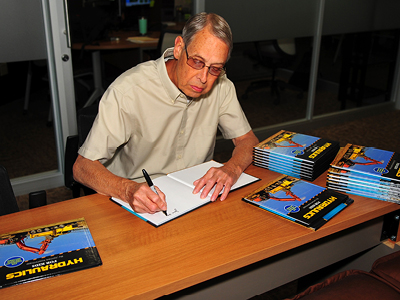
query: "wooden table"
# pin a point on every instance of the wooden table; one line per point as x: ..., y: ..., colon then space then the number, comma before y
x: 117, y: 41
x: 143, y: 262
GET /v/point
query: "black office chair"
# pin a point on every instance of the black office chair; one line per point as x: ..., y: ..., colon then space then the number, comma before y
x: 8, y: 203
x: 166, y: 40
x: 273, y: 55
x: 85, y: 118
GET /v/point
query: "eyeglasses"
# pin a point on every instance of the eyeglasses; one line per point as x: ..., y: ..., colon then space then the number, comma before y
x: 198, y: 65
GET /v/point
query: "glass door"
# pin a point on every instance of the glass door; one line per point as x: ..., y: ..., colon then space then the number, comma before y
x: 36, y: 75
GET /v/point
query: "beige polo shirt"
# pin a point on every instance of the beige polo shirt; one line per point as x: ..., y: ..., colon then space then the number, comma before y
x: 145, y: 122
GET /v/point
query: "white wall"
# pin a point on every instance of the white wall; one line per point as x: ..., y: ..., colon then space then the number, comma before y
x: 21, y: 31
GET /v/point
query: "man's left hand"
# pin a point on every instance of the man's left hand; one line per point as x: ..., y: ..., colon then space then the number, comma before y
x: 222, y: 178
x: 225, y: 177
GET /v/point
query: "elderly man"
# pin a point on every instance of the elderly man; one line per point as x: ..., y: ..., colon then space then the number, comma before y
x: 163, y: 116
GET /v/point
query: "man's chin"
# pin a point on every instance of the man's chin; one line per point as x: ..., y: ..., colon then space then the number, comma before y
x: 191, y: 94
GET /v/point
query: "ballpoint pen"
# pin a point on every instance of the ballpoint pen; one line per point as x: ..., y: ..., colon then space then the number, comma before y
x: 151, y: 185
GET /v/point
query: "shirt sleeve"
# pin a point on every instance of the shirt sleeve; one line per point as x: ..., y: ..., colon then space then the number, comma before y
x: 108, y: 131
x: 232, y: 120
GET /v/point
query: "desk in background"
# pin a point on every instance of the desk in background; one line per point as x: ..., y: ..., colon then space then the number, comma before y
x: 259, y: 250
x: 120, y: 44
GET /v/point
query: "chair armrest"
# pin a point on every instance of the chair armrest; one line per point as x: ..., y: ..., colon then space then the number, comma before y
x: 71, y: 153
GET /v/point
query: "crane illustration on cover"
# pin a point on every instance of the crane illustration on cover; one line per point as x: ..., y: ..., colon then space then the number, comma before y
x: 49, y: 235
x: 269, y: 193
x: 280, y: 140
x: 357, y: 152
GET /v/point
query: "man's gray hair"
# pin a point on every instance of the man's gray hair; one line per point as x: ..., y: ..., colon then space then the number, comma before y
x: 219, y: 28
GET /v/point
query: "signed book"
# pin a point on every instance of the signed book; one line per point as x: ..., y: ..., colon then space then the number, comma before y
x: 178, y: 189
x: 46, y: 251
x: 299, y: 201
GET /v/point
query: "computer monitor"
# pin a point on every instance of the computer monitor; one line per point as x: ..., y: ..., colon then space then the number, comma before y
x: 132, y: 10
x: 129, y: 3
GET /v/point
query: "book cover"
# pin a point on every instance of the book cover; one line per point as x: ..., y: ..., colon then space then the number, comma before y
x: 298, y: 146
x: 46, y: 251
x: 178, y: 189
x: 299, y: 201
x: 369, y: 161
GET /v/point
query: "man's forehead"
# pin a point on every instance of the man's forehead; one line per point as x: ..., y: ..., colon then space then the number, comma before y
x: 204, y: 44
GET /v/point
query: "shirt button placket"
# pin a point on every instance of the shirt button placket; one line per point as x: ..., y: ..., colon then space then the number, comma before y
x: 181, y: 141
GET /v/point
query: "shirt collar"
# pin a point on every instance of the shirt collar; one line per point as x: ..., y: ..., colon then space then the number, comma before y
x: 170, y: 88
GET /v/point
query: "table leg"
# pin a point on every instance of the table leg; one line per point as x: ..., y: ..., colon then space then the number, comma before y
x: 97, y: 77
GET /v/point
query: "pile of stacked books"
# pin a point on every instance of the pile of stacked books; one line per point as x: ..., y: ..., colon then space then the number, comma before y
x: 295, y: 154
x: 366, y: 171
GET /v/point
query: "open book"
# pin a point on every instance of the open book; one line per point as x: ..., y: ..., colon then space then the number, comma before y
x: 178, y: 189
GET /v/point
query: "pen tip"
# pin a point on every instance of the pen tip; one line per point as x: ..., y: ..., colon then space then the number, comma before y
x: 165, y: 213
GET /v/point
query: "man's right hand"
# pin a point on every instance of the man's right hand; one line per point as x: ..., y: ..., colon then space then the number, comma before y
x: 139, y: 195
x: 143, y: 200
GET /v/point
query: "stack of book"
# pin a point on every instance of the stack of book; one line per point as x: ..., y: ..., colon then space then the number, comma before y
x: 299, y: 201
x: 295, y: 154
x: 366, y: 171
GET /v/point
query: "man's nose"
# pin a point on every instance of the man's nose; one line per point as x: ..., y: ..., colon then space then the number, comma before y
x: 203, y: 74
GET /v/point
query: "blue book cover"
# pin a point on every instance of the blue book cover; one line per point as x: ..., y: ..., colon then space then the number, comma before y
x: 45, y: 251
x: 369, y: 161
x: 298, y: 146
x: 299, y: 201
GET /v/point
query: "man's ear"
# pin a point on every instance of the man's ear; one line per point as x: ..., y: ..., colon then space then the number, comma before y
x: 178, y: 47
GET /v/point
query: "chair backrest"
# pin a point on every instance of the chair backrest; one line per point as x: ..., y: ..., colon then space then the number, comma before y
x: 275, y: 49
x: 8, y: 203
x: 288, y: 46
x: 86, y: 117
x: 167, y: 40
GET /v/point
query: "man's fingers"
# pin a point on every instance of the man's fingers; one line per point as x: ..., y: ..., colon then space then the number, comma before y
x: 146, y: 201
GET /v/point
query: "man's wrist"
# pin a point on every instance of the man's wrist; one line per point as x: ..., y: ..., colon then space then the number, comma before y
x: 236, y: 168
x: 128, y: 188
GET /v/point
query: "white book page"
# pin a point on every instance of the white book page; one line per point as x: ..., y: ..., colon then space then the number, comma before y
x: 179, y: 198
x: 189, y: 175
